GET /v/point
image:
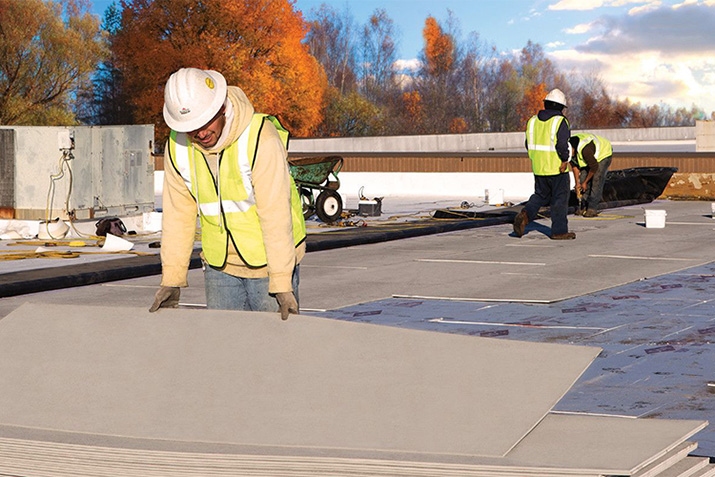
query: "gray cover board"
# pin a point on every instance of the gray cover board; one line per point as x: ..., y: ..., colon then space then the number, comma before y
x: 249, y: 378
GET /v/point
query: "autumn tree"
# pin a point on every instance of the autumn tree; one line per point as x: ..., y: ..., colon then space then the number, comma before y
x: 531, y: 102
x: 331, y: 41
x: 412, y: 112
x: 47, y: 52
x: 505, y: 88
x: 256, y: 44
x: 438, y: 52
x: 534, y: 68
x: 350, y: 114
x: 472, y: 84
x: 379, y: 52
x: 453, y: 78
x: 435, y: 79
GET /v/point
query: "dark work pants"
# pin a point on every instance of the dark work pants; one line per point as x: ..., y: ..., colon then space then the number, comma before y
x: 554, y: 192
x: 594, y: 190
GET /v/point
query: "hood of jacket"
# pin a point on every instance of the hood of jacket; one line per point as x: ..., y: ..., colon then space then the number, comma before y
x: 239, y: 112
x: 546, y: 114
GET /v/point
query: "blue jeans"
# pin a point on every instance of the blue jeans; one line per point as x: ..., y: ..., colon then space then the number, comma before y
x: 226, y: 292
x: 554, y: 192
x: 594, y: 189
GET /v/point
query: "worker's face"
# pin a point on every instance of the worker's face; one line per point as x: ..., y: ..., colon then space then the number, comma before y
x: 207, y: 135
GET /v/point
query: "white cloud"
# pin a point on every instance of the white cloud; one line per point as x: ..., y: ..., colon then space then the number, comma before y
x: 593, y: 4
x: 649, y: 77
x: 576, y: 5
x: 403, y: 81
x: 653, y: 54
x: 555, y: 44
x: 620, y: 3
x: 579, y: 29
x: 665, y: 30
x: 407, y: 65
x: 649, y: 7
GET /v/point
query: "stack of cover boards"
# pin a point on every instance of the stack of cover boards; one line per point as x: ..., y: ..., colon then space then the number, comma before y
x: 109, y: 392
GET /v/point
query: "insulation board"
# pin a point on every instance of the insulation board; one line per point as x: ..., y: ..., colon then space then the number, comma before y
x: 249, y: 378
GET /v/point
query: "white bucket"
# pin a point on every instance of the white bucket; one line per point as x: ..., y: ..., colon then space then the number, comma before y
x: 52, y: 230
x: 655, y: 219
x: 494, y: 196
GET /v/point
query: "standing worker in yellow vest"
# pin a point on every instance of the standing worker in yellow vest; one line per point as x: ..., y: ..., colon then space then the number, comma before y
x: 590, y: 160
x: 228, y: 165
x: 547, y: 142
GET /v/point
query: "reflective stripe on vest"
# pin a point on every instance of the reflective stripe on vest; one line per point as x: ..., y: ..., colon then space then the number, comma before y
x: 541, y: 143
x: 603, y: 147
x: 233, y: 190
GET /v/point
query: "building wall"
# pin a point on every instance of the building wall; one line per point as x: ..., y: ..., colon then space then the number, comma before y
x: 110, y: 171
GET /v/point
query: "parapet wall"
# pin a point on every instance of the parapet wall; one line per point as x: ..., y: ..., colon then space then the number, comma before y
x: 477, y: 142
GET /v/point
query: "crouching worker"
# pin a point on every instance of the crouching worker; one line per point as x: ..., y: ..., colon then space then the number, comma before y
x: 228, y: 165
x: 590, y: 160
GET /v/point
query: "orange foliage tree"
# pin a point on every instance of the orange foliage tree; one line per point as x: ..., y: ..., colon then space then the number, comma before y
x: 458, y: 126
x: 256, y: 44
x: 439, y: 48
x: 412, y: 102
x: 531, y: 102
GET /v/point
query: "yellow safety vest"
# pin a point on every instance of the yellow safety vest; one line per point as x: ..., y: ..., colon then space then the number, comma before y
x: 228, y: 209
x: 541, y: 143
x: 603, y: 148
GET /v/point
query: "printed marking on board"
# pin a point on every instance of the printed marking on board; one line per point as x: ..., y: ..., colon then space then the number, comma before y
x: 488, y: 262
x: 516, y: 325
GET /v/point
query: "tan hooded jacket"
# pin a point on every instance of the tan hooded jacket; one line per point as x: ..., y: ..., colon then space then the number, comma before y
x: 271, y: 185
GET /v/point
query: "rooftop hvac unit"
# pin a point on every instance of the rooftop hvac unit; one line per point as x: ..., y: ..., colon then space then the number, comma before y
x: 82, y: 171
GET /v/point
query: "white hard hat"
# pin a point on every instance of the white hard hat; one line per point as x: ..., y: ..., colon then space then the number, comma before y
x: 192, y: 97
x: 556, y: 96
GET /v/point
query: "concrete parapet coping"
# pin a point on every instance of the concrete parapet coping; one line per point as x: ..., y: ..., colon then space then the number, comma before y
x: 475, y: 141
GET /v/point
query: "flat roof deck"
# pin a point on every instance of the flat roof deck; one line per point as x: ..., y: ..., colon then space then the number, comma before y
x: 644, y: 295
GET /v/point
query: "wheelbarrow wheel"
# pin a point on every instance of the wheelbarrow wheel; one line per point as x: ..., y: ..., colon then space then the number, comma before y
x: 306, y: 200
x: 329, y: 206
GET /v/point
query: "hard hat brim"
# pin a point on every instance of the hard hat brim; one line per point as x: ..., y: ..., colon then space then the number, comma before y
x: 202, y: 119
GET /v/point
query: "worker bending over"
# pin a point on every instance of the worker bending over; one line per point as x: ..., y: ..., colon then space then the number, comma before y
x: 228, y: 165
x: 547, y: 142
x: 590, y: 160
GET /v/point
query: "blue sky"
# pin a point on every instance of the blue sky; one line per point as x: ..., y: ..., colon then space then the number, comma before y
x: 649, y: 51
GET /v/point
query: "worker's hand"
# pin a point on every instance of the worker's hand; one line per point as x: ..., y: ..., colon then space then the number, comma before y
x: 563, y: 166
x: 583, y: 188
x: 166, y: 297
x: 287, y: 304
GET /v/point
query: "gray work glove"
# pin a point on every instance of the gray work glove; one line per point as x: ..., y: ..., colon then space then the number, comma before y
x: 287, y: 304
x: 166, y: 297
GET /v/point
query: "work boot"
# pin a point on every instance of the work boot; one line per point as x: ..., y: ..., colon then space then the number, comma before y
x: 566, y: 236
x: 520, y: 222
x: 590, y: 213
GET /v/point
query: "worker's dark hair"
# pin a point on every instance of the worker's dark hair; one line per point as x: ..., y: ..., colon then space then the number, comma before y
x: 574, y: 140
x: 551, y: 105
